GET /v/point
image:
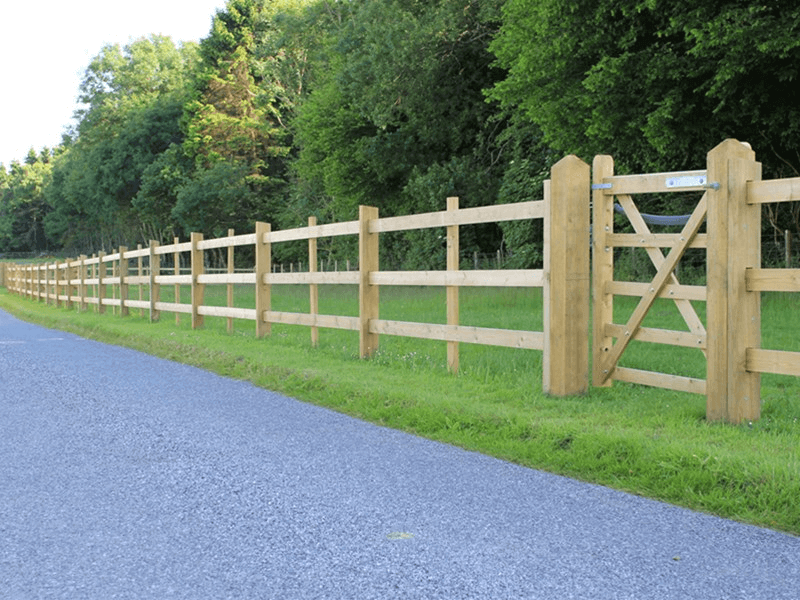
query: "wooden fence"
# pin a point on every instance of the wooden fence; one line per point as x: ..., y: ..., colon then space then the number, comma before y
x: 85, y: 281
x: 731, y: 192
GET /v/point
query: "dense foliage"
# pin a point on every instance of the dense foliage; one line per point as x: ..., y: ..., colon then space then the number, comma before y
x: 293, y: 108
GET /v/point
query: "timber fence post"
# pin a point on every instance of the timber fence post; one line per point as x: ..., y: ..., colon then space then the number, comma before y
x: 313, y: 289
x: 46, y: 283
x: 263, y: 287
x: 176, y: 257
x: 155, y: 288
x: 102, y: 291
x: 82, y: 292
x: 140, y: 273
x: 231, y: 270
x: 123, y: 284
x: 566, y: 279
x: 734, y: 314
x: 58, y: 284
x: 368, y: 294
x: 69, y: 276
x: 198, y: 289
x: 452, y: 290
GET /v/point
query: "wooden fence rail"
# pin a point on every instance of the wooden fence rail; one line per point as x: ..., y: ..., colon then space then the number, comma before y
x: 86, y: 281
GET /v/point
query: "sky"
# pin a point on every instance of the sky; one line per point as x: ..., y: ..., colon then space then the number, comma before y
x: 46, y: 45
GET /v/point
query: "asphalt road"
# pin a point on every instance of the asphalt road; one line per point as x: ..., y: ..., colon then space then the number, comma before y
x: 127, y: 476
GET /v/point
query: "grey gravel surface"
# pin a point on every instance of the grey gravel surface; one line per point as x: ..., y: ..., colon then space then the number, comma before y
x: 127, y: 476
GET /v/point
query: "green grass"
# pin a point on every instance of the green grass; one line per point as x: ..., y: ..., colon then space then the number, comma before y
x: 651, y: 442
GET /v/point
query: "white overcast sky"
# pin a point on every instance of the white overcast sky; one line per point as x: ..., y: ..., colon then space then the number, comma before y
x: 46, y: 46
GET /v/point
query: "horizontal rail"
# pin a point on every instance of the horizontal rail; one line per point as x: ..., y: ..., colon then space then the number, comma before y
x: 316, y: 231
x: 651, y: 183
x: 500, y: 278
x: 174, y: 307
x: 773, y: 190
x: 318, y: 277
x: 134, y: 280
x: 668, y: 337
x: 309, y: 320
x: 772, y: 280
x: 173, y: 248
x: 661, y: 380
x: 134, y: 303
x: 465, y: 216
x: 217, y: 278
x: 247, y: 239
x: 658, y: 240
x: 509, y: 338
x: 778, y: 362
x: 226, y: 311
x: 129, y: 254
x: 172, y: 279
x: 671, y: 291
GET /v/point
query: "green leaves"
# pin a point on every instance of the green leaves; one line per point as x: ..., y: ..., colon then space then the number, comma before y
x: 656, y: 84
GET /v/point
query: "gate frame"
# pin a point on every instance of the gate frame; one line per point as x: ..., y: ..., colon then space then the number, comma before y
x: 733, y: 313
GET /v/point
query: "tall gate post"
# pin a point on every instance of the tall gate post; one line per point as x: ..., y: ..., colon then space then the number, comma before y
x: 566, y: 279
x: 734, y: 314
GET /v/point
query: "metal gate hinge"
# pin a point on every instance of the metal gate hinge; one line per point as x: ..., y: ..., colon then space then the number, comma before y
x: 601, y: 186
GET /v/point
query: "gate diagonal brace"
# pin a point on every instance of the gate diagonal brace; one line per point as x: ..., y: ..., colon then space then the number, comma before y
x: 693, y: 322
x: 659, y: 281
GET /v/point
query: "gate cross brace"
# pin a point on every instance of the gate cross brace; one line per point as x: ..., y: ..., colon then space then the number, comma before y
x: 659, y: 281
x: 657, y: 258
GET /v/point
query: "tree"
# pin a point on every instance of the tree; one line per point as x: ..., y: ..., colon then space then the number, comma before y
x: 22, y: 205
x: 656, y: 83
x: 133, y: 104
x: 238, y: 112
x: 397, y: 117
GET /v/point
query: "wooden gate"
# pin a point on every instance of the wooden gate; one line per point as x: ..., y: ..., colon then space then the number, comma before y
x: 612, y: 194
x: 733, y: 261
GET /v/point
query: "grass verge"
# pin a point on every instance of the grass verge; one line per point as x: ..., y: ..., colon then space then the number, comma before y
x: 650, y: 442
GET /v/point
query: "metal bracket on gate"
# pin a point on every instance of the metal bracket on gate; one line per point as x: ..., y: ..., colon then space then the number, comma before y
x: 687, y: 181
x: 601, y: 186
x: 690, y: 181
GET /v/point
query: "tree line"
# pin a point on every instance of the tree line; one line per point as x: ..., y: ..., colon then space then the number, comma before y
x: 293, y: 108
